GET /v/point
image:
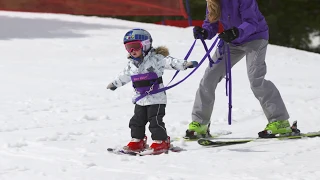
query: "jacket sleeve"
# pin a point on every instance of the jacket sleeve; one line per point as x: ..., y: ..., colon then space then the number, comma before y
x: 212, y: 28
x: 174, y: 63
x: 124, y: 77
x: 249, y: 18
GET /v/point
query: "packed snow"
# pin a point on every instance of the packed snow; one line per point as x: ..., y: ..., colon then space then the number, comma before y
x: 58, y: 119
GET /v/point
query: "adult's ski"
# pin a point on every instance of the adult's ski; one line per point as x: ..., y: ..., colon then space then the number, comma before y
x: 213, y: 143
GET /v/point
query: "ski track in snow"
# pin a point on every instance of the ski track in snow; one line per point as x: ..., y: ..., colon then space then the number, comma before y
x: 57, y: 119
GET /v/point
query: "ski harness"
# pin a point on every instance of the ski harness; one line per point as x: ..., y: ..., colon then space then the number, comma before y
x: 148, y: 83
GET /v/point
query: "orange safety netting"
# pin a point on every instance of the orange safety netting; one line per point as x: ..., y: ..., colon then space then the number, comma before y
x: 99, y: 7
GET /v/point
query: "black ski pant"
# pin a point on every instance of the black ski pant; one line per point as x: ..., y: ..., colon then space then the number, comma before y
x: 154, y: 115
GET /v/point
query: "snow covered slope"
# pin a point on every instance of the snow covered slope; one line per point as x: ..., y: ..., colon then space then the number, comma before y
x: 57, y: 118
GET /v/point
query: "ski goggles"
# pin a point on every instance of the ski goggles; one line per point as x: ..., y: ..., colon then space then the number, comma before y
x: 133, y: 46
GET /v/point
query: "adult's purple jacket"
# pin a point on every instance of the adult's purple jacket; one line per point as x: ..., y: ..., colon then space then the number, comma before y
x: 243, y: 14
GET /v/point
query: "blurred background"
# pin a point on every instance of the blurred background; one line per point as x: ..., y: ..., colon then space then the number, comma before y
x: 292, y: 23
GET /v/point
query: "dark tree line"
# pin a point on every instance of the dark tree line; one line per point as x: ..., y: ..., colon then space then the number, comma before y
x: 290, y: 21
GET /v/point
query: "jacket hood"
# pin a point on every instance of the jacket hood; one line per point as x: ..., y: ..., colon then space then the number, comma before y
x: 162, y: 50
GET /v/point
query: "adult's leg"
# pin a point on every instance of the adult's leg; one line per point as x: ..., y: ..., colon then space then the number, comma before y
x: 205, y: 96
x: 264, y: 90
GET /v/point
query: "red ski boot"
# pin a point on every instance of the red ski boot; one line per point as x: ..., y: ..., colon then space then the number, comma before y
x: 160, y: 146
x: 137, y: 144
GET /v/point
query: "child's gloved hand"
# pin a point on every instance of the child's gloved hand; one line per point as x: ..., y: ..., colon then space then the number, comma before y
x: 111, y: 87
x: 192, y: 64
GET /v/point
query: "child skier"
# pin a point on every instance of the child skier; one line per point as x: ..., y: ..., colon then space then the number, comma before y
x: 145, y: 69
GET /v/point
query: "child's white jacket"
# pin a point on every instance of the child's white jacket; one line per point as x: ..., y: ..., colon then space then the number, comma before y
x: 157, y: 60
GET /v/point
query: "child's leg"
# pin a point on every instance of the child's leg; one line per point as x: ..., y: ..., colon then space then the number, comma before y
x: 138, y: 122
x: 155, y: 116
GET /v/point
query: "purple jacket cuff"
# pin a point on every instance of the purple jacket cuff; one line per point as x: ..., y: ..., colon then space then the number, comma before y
x: 212, y: 28
x: 245, y: 30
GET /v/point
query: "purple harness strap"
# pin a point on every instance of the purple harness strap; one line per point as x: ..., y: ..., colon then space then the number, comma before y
x: 229, y: 83
x: 185, y: 58
x: 155, y: 91
x: 188, y: 54
x: 221, y: 49
x: 150, y: 82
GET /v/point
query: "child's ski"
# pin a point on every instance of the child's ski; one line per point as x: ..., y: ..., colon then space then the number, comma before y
x: 145, y: 152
